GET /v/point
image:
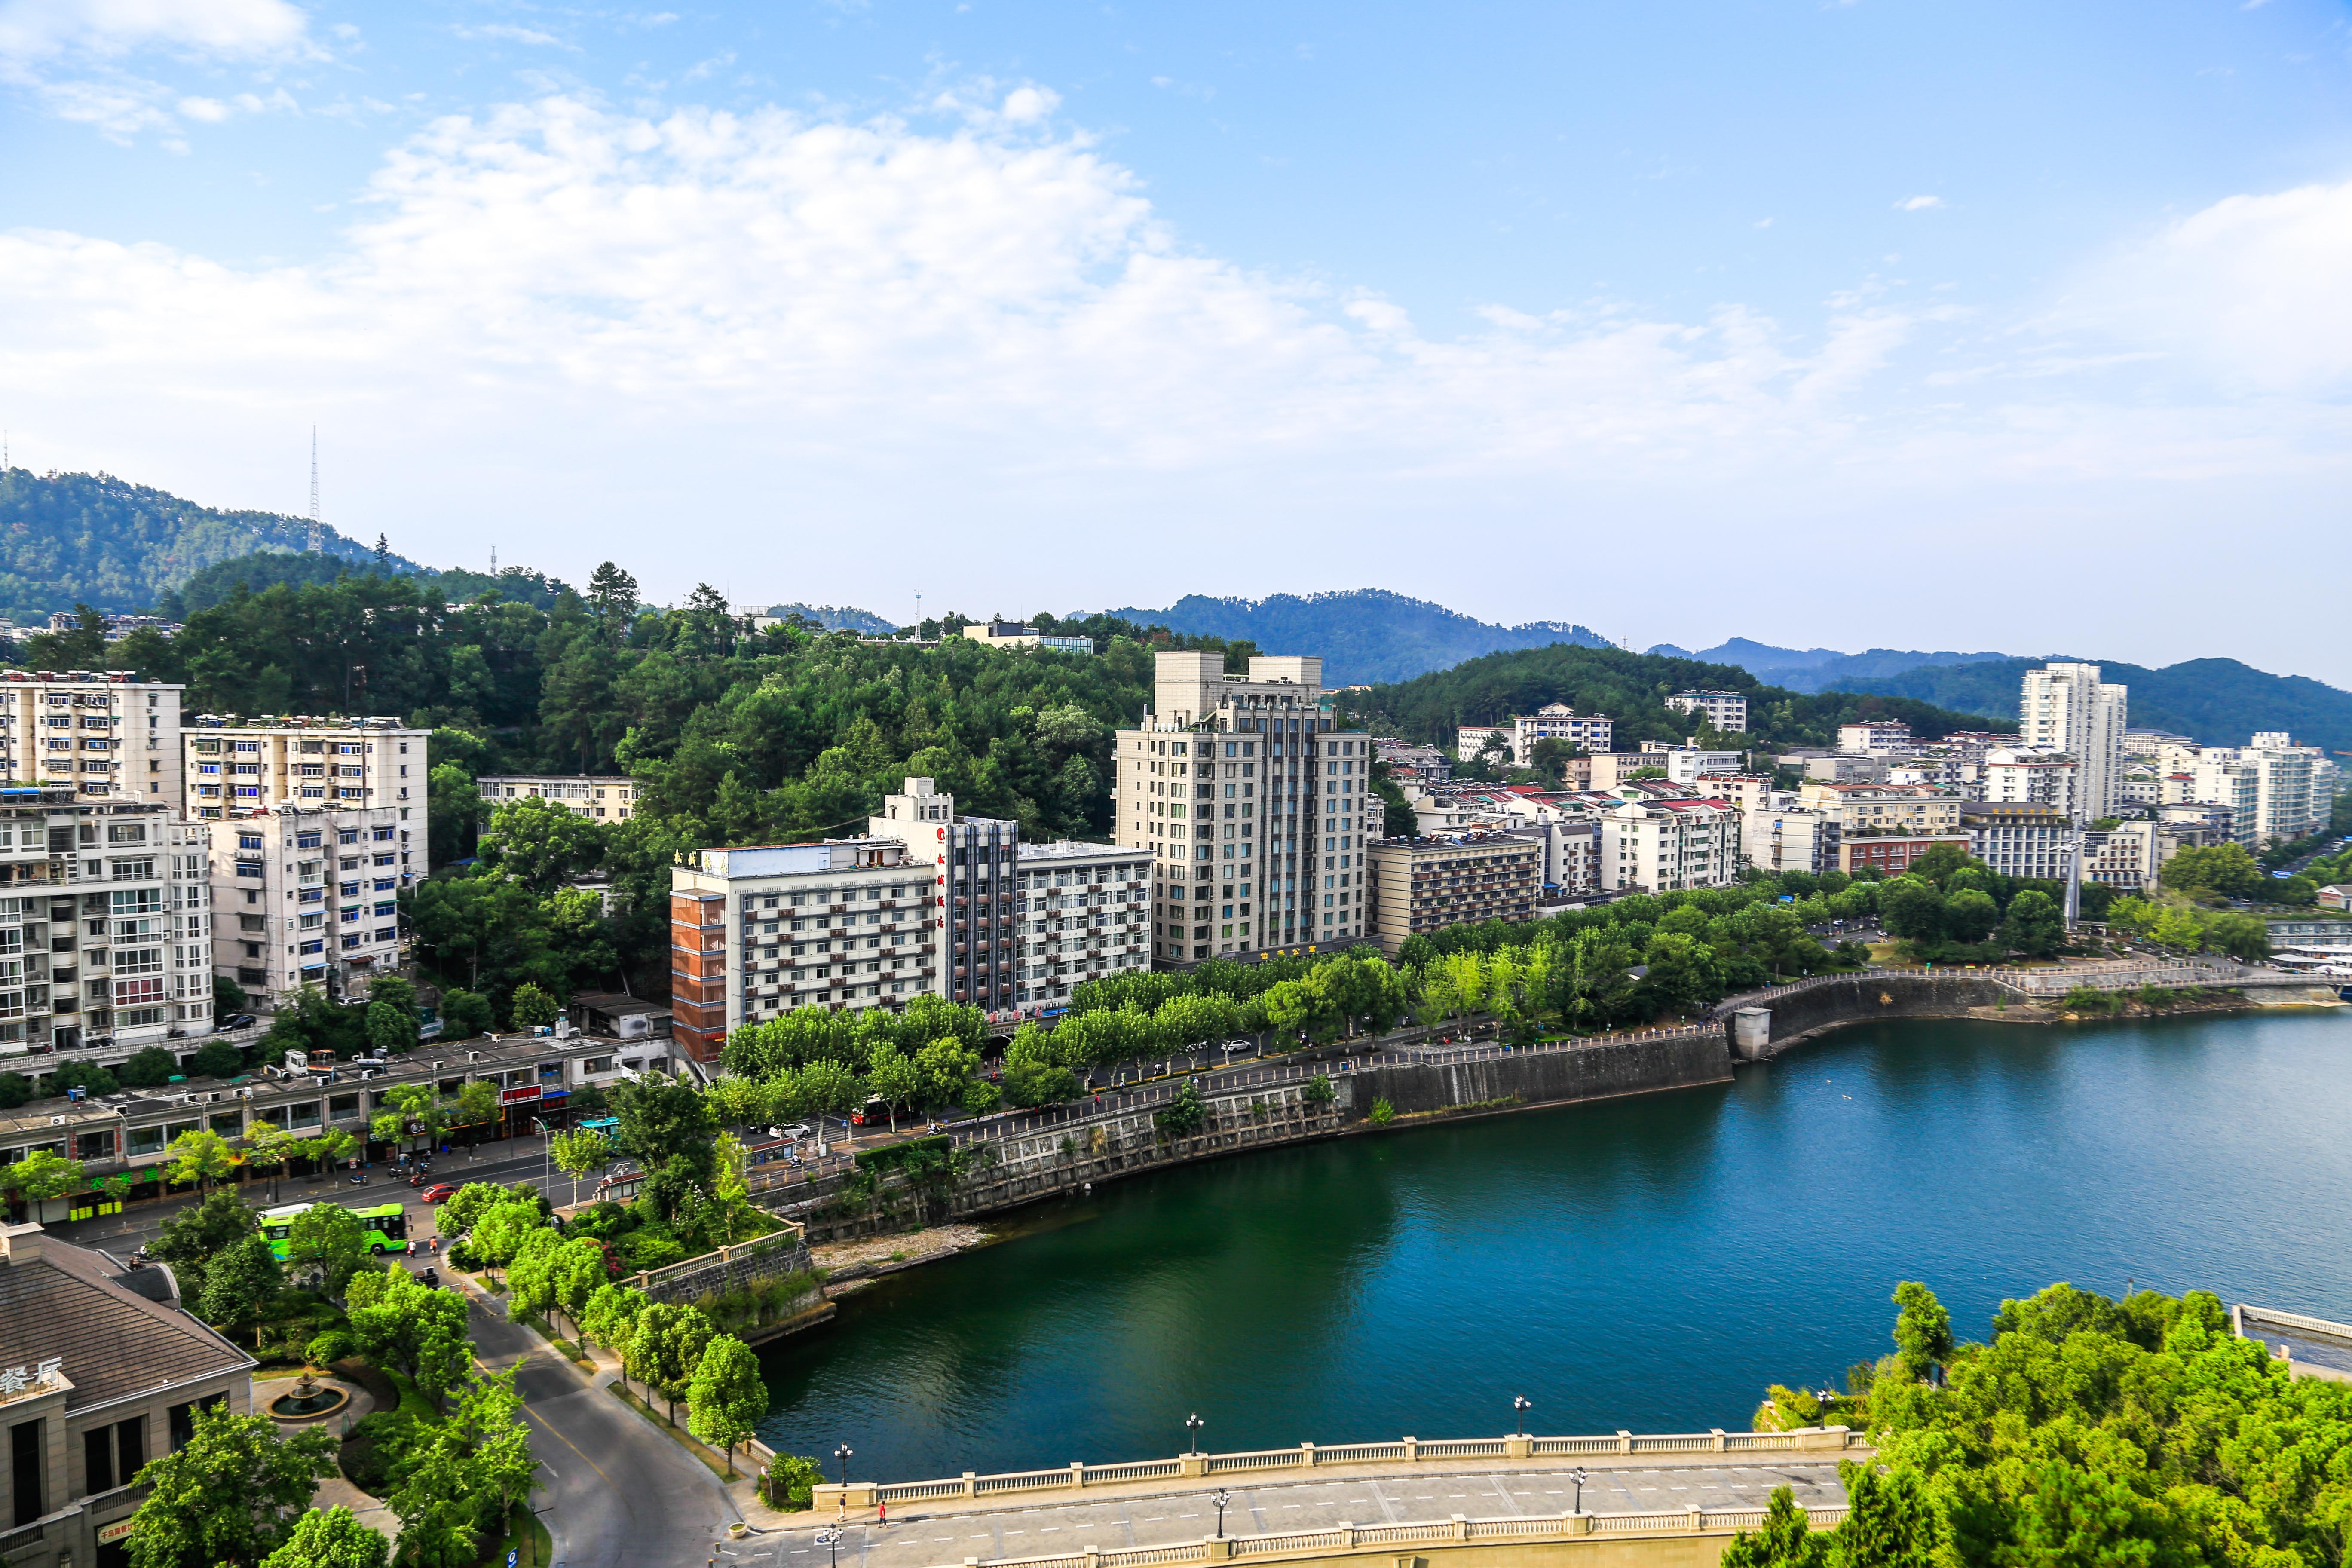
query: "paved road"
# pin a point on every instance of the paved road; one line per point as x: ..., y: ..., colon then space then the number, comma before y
x: 619, y: 1494
x: 925, y: 1536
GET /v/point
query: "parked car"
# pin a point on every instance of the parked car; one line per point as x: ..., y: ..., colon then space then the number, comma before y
x: 238, y: 1021
x: 439, y: 1193
x: 799, y: 1129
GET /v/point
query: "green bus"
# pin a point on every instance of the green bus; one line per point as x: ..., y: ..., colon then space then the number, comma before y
x: 386, y: 1225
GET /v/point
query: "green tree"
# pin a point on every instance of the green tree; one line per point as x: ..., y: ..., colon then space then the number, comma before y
x: 15, y: 1089
x: 225, y: 1497
x: 390, y: 1028
x: 193, y: 1238
x: 892, y: 1077
x: 577, y: 1271
x: 239, y: 1281
x: 149, y: 1068
x: 1923, y: 1330
x: 534, y: 1008
x: 2035, y: 925
x: 41, y: 1176
x: 466, y: 1205
x: 327, y: 1240
x: 216, y: 1058
x: 665, y: 1348
x: 399, y: 1322
x: 464, y: 1014
x: 1913, y: 910
x: 454, y: 814
x: 944, y: 1066
x: 410, y: 1111
x: 1970, y: 915
x: 2241, y: 937
x: 543, y: 844
x: 726, y: 1395
x: 1786, y: 1540
x: 611, y: 1317
x: 2220, y: 871
x: 333, y: 1538
x: 530, y: 1280
x: 1889, y: 1522
x: 576, y: 1153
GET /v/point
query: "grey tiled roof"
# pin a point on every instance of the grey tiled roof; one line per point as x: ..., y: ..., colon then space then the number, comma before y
x: 113, y: 1341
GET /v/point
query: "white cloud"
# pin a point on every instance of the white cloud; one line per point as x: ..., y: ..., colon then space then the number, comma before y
x: 1917, y: 204
x: 33, y: 30
x: 2251, y: 288
x: 506, y: 32
x: 586, y: 328
x: 69, y: 56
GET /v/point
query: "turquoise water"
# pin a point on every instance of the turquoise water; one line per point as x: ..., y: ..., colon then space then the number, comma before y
x: 1647, y: 1263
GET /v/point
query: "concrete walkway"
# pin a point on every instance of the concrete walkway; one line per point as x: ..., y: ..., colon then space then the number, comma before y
x: 935, y: 1533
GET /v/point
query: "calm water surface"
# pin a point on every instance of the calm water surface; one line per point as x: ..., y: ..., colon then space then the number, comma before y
x: 1648, y: 1263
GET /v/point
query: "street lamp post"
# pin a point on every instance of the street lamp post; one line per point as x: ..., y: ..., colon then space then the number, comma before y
x: 1577, y: 1475
x: 1221, y: 1499
x: 1520, y: 1405
x: 843, y: 1454
x: 1193, y: 1425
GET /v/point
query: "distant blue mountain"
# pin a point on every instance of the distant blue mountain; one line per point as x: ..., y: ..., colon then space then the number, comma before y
x: 1363, y: 635
x: 1816, y: 669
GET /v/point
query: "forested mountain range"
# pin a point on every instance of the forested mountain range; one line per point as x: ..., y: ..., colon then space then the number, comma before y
x: 1812, y: 669
x: 2219, y: 702
x: 1363, y: 635
x: 1632, y: 688
x: 68, y: 539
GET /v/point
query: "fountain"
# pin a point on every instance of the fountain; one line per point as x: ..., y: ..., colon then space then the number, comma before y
x: 310, y: 1400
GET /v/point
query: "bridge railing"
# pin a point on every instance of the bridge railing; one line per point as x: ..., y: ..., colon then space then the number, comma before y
x: 1380, y: 1538
x: 1307, y: 1456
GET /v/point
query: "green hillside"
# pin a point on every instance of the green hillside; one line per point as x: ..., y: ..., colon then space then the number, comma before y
x: 68, y: 539
x: 2219, y: 702
x: 1632, y: 688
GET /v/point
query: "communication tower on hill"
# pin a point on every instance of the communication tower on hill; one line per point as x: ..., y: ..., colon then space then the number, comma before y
x: 318, y: 538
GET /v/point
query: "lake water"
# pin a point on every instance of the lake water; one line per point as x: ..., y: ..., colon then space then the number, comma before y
x: 1648, y: 1264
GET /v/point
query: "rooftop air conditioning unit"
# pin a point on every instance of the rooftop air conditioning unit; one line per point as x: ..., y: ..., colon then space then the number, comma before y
x: 56, y: 1121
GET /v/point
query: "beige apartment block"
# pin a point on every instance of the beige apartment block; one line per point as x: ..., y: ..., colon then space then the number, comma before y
x: 1254, y: 806
x: 604, y: 796
x: 1425, y: 884
x: 1665, y: 845
x: 1866, y: 810
x: 234, y: 764
x: 309, y: 895
x: 759, y: 930
x: 1727, y: 710
x: 99, y: 732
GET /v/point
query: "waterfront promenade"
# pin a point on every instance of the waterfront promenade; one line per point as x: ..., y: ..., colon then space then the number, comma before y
x: 1621, y: 1493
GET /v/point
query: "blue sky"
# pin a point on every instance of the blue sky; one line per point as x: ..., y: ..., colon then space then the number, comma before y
x: 1941, y: 325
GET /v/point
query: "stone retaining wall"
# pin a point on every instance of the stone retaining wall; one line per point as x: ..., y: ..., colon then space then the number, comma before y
x: 729, y: 1268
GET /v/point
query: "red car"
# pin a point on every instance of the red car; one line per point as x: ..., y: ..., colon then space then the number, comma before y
x: 440, y: 1191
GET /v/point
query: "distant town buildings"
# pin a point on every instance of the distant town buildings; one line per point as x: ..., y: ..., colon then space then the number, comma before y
x: 2067, y: 708
x: 98, y: 731
x: 231, y: 763
x: 1013, y: 633
x: 1425, y: 884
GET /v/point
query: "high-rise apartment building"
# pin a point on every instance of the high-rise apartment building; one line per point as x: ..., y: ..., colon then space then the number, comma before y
x: 1085, y: 912
x: 234, y: 763
x: 105, y: 925
x: 100, y: 731
x: 1425, y: 884
x: 309, y: 895
x: 2067, y: 707
x: 757, y: 930
x: 1254, y: 806
x: 2286, y: 805
x: 2028, y: 775
x: 971, y: 864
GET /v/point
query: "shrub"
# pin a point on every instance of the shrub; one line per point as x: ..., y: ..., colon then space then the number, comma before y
x: 791, y: 1482
x: 378, y: 1443
x: 650, y: 1246
x: 148, y: 1068
x: 1382, y: 1113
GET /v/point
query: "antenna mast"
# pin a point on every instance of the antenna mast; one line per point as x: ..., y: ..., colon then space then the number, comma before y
x: 316, y: 538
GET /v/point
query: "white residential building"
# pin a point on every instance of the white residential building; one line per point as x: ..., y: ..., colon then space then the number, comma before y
x: 2019, y: 839
x: 1238, y: 786
x: 1876, y: 738
x: 1558, y: 721
x: 2032, y: 777
x: 237, y: 764
x: 604, y: 796
x: 971, y: 860
x: 1662, y: 845
x: 105, y: 925
x: 1727, y: 710
x: 1470, y: 741
x: 2067, y: 707
x: 756, y: 930
x: 2220, y: 778
x: 309, y: 895
x: 99, y: 732
x: 1688, y: 764
x: 1082, y: 911
x: 1778, y: 834
x: 2286, y: 805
